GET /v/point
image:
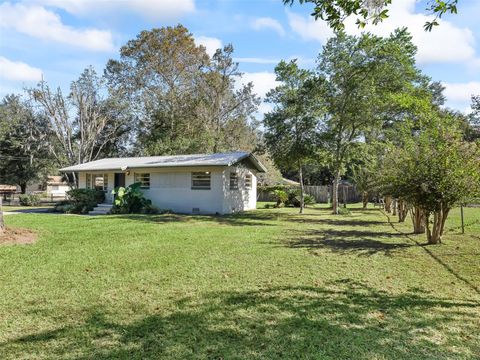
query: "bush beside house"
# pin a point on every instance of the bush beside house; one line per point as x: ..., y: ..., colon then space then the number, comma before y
x: 80, y: 201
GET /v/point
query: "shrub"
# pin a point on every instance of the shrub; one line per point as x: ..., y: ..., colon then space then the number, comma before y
x: 29, y: 199
x: 150, y: 209
x: 81, y: 201
x: 294, y: 198
x: 280, y: 197
x: 343, y: 211
x: 130, y: 200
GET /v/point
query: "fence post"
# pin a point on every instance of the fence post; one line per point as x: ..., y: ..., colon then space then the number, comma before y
x: 461, y: 215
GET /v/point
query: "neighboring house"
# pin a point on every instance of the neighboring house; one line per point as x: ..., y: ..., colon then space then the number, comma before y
x: 206, y: 184
x: 55, y: 187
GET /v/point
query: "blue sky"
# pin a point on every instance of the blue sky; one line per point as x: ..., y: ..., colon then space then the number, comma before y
x: 59, y: 38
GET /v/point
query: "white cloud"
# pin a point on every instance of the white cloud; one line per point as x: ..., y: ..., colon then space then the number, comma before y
x: 18, y: 71
x: 268, y: 23
x: 262, y: 81
x: 447, y: 43
x: 151, y: 9
x: 459, y: 94
x: 41, y: 23
x: 308, y: 28
x: 210, y: 43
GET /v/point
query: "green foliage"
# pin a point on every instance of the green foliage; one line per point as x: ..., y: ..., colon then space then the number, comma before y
x: 280, y: 196
x: 185, y: 101
x: 294, y: 198
x: 434, y: 167
x: 80, y: 201
x: 335, y: 12
x: 29, y: 199
x: 24, y: 143
x: 290, y: 129
x: 131, y: 200
x: 344, y: 211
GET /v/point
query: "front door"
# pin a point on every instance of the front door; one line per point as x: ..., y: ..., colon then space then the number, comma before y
x: 119, y: 180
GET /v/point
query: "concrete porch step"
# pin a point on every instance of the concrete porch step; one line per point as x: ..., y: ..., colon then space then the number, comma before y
x: 101, y: 209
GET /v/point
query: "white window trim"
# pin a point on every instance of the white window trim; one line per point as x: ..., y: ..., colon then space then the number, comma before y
x: 143, y: 176
x: 207, y: 175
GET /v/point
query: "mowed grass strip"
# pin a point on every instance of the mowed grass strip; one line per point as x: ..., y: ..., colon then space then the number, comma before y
x: 267, y: 284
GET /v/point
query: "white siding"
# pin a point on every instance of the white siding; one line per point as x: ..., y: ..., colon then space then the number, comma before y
x: 171, y: 189
x: 242, y: 198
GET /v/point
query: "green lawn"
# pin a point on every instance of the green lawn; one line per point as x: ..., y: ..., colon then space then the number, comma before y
x: 17, y: 208
x: 268, y: 284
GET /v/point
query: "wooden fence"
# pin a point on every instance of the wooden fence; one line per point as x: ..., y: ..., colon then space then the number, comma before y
x: 321, y: 193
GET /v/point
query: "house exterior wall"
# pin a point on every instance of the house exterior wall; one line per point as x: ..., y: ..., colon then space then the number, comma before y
x: 240, y: 199
x: 172, y: 189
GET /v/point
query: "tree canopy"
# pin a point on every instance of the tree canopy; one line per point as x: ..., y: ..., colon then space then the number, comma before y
x: 335, y: 12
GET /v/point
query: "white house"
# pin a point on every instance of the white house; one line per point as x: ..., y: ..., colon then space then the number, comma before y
x: 203, y: 184
x: 53, y: 187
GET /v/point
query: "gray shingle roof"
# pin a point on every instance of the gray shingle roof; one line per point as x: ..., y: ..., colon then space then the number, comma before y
x: 121, y: 164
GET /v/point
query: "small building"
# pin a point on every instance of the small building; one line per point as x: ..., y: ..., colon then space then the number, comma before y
x: 54, y: 187
x: 200, y: 184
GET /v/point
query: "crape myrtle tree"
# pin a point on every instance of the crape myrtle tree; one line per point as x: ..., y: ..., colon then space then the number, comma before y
x: 335, y: 12
x: 435, y: 169
x: 361, y: 78
x: 291, y: 127
x: 24, y: 145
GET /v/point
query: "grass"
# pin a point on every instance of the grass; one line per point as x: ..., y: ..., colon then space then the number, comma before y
x: 268, y: 284
x: 17, y: 208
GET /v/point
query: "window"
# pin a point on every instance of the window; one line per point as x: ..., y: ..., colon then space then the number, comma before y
x: 201, y: 180
x: 233, y: 181
x: 143, y: 179
x: 96, y: 181
x: 105, y: 182
x: 248, y: 181
x: 100, y: 181
x: 88, y: 181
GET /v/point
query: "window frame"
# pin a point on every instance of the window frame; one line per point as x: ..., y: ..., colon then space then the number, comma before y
x: 88, y: 180
x: 145, y: 184
x: 201, y: 176
x: 233, y: 180
x: 248, y: 181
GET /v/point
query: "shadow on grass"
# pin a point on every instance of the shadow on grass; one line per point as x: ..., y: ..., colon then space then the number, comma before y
x: 259, y: 217
x: 363, y: 243
x: 249, y: 218
x: 341, y: 320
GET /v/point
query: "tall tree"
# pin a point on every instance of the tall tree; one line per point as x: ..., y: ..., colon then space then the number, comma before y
x: 227, y: 111
x: 362, y: 79
x: 81, y: 123
x: 184, y: 101
x: 335, y: 12
x: 291, y: 128
x: 23, y: 143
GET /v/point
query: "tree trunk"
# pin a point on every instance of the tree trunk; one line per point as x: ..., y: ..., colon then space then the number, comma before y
x: 336, y: 182
x: 300, y: 175
x: 388, y: 204
x: 2, y: 224
x: 23, y: 188
x: 402, y: 210
x: 394, y: 207
x: 434, y: 236
x: 365, y: 199
x: 418, y: 219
